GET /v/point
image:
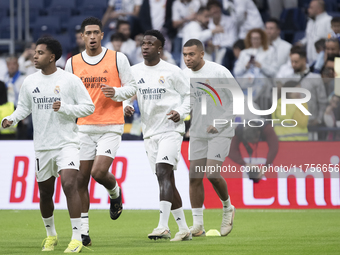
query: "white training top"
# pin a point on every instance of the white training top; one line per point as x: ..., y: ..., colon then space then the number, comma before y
x: 53, y: 130
x: 126, y: 78
x: 161, y: 88
x: 211, y: 74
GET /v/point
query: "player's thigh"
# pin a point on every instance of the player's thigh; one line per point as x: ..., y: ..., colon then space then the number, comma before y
x: 151, y: 149
x: 198, y: 149
x: 169, y: 149
x: 45, y: 165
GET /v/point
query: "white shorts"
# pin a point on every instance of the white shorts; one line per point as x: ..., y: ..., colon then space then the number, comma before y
x: 92, y: 145
x: 164, y: 148
x: 216, y: 148
x: 48, y: 163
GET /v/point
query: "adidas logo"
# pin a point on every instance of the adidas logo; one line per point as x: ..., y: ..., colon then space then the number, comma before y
x: 47, y: 226
x: 178, y: 219
x: 105, y: 71
x: 141, y: 81
x: 160, y: 211
x: 218, y: 156
x: 71, y: 164
x: 108, y: 151
x: 165, y: 158
x: 36, y: 90
x: 75, y: 228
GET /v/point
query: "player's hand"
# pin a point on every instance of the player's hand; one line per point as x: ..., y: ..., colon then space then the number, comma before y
x: 128, y: 111
x: 56, y: 106
x: 212, y: 130
x: 108, y: 91
x: 174, y: 116
x: 6, y: 123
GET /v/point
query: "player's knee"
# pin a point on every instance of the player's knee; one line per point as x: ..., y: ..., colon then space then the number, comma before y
x: 195, y: 181
x: 213, y: 177
x: 45, y: 195
x: 98, y: 174
x: 69, y: 187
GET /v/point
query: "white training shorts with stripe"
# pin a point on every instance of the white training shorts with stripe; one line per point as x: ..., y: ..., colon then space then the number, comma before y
x: 164, y: 148
x: 216, y: 148
x: 48, y: 163
x: 92, y: 145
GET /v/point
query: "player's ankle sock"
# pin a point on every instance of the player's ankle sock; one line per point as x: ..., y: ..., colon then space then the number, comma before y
x: 197, y: 215
x: 180, y: 218
x: 164, y: 213
x: 226, y: 204
x: 85, y: 223
x: 76, y: 228
x: 114, y: 193
x: 49, y: 225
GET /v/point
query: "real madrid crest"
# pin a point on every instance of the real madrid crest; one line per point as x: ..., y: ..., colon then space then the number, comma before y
x: 56, y: 90
x: 161, y: 80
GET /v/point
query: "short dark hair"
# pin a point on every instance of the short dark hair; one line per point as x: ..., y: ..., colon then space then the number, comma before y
x: 117, y: 37
x: 276, y: 21
x: 156, y: 34
x: 239, y: 44
x: 91, y: 21
x: 201, y: 10
x: 320, y: 44
x: 335, y: 20
x: 298, y: 50
x: 214, y: 3
x: 330, y: 58
x: 52, y: 45
x: 121, y: 22
x: 291, y: 84
x: 193, y: 42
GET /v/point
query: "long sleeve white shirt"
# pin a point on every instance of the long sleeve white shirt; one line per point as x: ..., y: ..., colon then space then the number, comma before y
x: 126, y: 78
x: 316, y: 29
x: 282, y: 51
x: 53, y: 130
x: 229, y: 36
x: 160, y: 89
x: 211, y: 73
x: 266, y: 58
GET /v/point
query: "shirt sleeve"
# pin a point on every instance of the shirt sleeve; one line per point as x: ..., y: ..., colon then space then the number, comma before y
x: 83, y: 105
x: 181, y: 85
x: 128, y: 83
x: 24, y: 107
x: 68, y: 66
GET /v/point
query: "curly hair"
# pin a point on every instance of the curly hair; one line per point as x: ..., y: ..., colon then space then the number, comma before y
x: 264, y: 39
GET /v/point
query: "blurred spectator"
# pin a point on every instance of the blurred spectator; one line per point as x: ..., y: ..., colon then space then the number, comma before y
x: 26, y: 65
x: 123, y: 9
x: 6, y: 109
x: 328, y: 75
x: 249, y: 137
x: 3, y: 68
x: 276, y: 7
x: 281, y: 47
x: 245, y: 13
x: 312, y: 82
x: 320, y: 50
x: 117, y: 40
x: 152, y: 14
x: 80, y: 45
x: 318, y: 26
x: 237, y: 48
x: 287, y: 70
x: 128, y: 46
x: 198, y: 29
x: 298, y: 130
x: 222, y: 42
x: 332, y: 47
x: 332, y: 118
x: 183, y: 11
x: 13, y: 79
x: 335, y: 25
x: 255, y: 63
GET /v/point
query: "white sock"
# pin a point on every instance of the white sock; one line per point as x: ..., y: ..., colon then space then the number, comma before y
x: 49, y: 225
x: 76, y: 228
x: 226, y: 204
x: 114, y: 193
x: 85, y: 224
x: 197, y: 215
x: 180, y: 218
x: 164, y: 213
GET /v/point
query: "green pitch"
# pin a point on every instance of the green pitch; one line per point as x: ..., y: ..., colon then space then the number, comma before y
x: 255, y: 232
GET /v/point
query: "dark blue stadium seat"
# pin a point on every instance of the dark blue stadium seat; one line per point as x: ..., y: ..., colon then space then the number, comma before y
x: 74, y: 24
x: 298, y: 36
x: 65, y: 42
x: 5, y: 28
x: 46, y: 25
x: 93, y: 8
x: 4, y: 8
x: 334, y: 14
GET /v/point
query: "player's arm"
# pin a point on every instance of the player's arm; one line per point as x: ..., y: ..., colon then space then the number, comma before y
x: 181, y: 85
x: 129, y: 86
x: 234, y: 152
x: 23, y: 109
x: 68, y: 66
x: 273, y: 143
x: 83, y: 105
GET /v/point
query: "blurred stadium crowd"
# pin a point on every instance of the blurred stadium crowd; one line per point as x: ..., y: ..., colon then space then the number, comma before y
x: 264, y: 43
